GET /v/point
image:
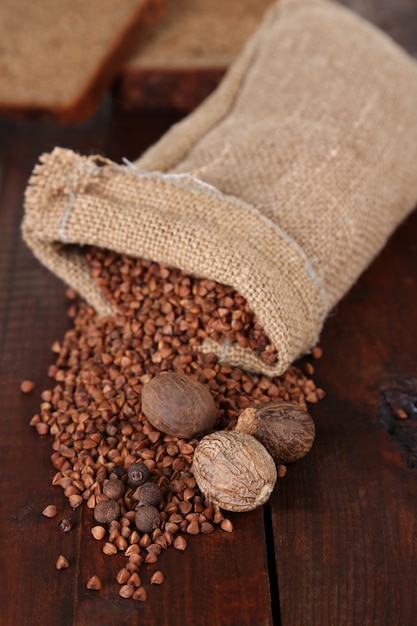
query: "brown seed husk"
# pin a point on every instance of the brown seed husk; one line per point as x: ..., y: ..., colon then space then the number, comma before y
x: 157, y: 578
x: 227, y: 525
x: 123, y: 576
x: 61, y: 562
x: 134, y: 580
x: 94, y: 583
x: 126, y: 591
x: 50, y: 510
x: 140, y: 594
x: 98, y: 532
x: 180, y: 543
x: 27, y: 386
x: 109, y: 548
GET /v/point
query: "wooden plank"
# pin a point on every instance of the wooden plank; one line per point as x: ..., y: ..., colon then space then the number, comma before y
x: 345, y: 518
x: 221, y: 578
x: 32, y: 316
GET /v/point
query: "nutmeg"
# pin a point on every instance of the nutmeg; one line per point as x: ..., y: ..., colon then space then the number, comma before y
x: 284, y: 428
x: 178, y: 405
x: 234, y: 470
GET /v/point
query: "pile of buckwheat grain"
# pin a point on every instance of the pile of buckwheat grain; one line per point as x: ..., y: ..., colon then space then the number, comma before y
x: 93, y: 411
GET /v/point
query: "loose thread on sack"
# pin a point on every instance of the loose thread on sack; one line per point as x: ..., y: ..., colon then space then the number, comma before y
x: 188, y: 176
x: 192, y: 176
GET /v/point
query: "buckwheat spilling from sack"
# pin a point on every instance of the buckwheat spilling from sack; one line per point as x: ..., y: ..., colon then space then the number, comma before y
x: 139, y: 480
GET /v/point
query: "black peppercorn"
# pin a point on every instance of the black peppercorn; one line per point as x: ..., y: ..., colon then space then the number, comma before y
x: 137, y: 474
x: 119, y: 470
x: 147, y: 518
x: 148, y: 494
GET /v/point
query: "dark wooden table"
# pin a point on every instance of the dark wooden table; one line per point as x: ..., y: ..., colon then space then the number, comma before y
x: 337, y: 543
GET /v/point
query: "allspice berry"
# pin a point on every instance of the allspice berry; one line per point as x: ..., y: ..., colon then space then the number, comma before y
x: 178, y: 405
x: 114, y: 488
x: 234, y: 470
x: 106, y: 511
x: 286, y: 430
x: 137, y: 474
x: 148, y: 494
x: 147, y: 518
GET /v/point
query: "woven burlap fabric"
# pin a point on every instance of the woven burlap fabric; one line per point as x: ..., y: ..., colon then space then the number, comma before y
x: 285, y: 183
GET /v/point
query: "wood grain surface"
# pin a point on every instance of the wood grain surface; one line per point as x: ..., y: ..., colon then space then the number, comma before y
x: 337, y: 543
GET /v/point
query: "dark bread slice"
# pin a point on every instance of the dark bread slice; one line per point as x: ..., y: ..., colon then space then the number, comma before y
x: 183, y: 57
x: 57, y: 59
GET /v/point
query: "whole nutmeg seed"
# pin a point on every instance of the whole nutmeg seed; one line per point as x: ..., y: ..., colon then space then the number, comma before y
x: 147, y: 518
x: 285, y: 429
x: 137, y: 474
x: 178, y: 405
x: 234, y: 470
x: 106, y: 511
x: 148, y: 494
x: 114, y: 488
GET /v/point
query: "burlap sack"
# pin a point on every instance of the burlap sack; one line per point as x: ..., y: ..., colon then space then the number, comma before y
x: 285, y: 183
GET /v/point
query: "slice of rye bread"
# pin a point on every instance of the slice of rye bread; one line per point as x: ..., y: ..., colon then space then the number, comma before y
x: 57, y: 59
x: 183, y: 57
